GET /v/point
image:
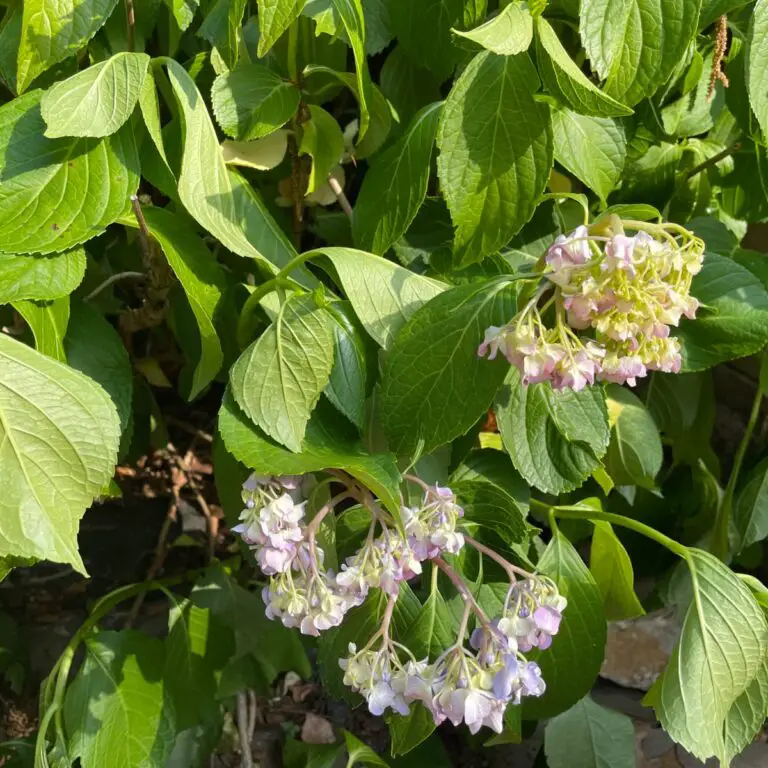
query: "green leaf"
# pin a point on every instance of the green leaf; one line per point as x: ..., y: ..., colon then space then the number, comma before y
x: 507, y: 33
x: 114, y: 708
x: 383, y: 294
x: 748, y: 714
x: 565, y: 80
x: 490, y: 507
x: 275, y: 647
x: 183, y: 11
x: 570, y: 667
x: 432, y: 630
x: 278, y: 380
x: 360, y: 753
x: 593, y: 149
x: 396, y: 184
x: 252, y: 101
x: 323, y: 141
x: 380, y: 113
x: 52, y: 30
x: 434, y: 51
x: 219, y: 199
x: 635, y: 454
x: 435, y: 387
x: 407, y: 732
x: 196, y: 647
x: 275, y: 16
x: 97, y: 101
x: 734, y: 319
x: 590, y: 736
x: 625, y: 46
x: 555, y: 439
x: 203, y: 282
x: 40, y: 278
x: 48, y: 322
x: 51, y: 475
x: 222, y: 28
x: 757, y: 63
x: 58, y: 193
x: 346, y: 387
x: 95, y: 348
x: 612, y: 570
x: 326, y: 446
x: 408, y: 87
x: 495, y: 157
x: 750, y: 508
x: 353, y: 20
x: 723, y: 645
x: 486, y: 465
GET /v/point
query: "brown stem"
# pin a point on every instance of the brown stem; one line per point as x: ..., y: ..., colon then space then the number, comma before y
x: 462, y: 588
x: 130, y: 23
x: 714, y: 160
x: 512, y: 570
x: 242, y: 728
x: 337, y: 190
x: 314, y: 525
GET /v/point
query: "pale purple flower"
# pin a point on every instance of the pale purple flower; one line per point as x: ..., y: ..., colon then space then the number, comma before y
x: 618, y: 254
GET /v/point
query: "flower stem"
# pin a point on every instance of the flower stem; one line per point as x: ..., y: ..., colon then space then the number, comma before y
x: 462, y: 588
x: 583, y: 513
x: 720, y: 538
x: 512, y: 570
x: 314, y: 526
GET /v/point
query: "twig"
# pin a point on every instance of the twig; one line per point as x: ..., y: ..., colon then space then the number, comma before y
x: 512, y: 570
x: 242, y: 728
x: 161, y: 549
x: 190, y: 428
x: 710, y: 161
x: 113, y: 279
x: 462, y: 588
x: 333, y: 183
x: 130, y: 22
x: 253, y: 710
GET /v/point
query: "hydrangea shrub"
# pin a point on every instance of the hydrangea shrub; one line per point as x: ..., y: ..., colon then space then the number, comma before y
x: 448, y: 278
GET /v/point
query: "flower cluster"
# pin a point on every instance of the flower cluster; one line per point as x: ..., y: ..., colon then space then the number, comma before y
x: 471, y: 685
x: 301, y: 592
x: 624, y: 293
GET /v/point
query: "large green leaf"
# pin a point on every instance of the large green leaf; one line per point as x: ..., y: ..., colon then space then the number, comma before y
x: 347, y: 385
x: 407, y: 86
x: 490, y: 507
x: 57, y: 193
x: 435, y: 387
x: 748, y: 714
x: 95, y: 348
x: 323, y: 141
x: 565, y: 79
x: 593, y: 149
x: 114, y: 709
x: 383, y: 294
x: 275, y: 16
x: 590, y: 736
x: 353, y: 21
x: 183, y: 11
x: 196, y: 648
x: 407, y: 732
x: 275, y: 647
x: 423, y: 30
x: 507, y: 33
x: 571, y: 665
x: 252, y: 101
x: 734, y: 319
x: 612, y: 570
x: 495, y: 157
x: 220, y: 200
x: 635, y: 453
x: 634, y: 45
x: 396, y: 184
x: 757, y: 63
x: 222, y: 29
x: 40, y: 277
x: 203, y: 282
x: 326, y: 446
x: 60, y: 433
x: 278, y: 380
x: 723, y: 645
x: 52, y: 30
x: 555, y: 438
x: 487, y: 465
x: 97, y: 101
x: 48, y: 321
x: 750, y: 507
